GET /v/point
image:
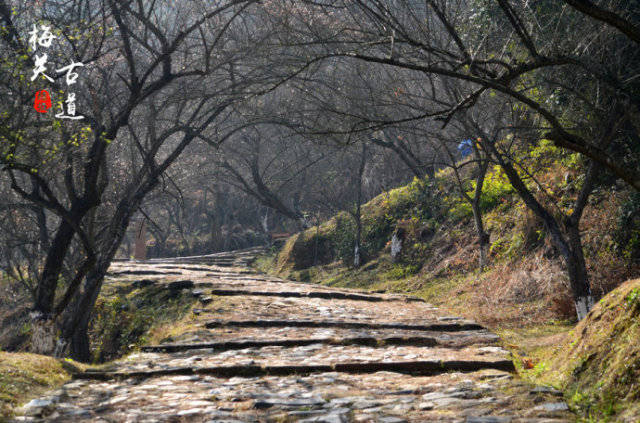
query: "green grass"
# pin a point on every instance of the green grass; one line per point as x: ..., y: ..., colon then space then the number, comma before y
x: 124, y: 317
x: 24, y: 376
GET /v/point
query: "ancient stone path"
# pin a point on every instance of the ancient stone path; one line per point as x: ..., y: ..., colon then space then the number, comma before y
x: 262, y: 349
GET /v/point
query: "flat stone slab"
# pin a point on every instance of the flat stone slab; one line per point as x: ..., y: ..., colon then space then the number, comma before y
x: 200, y: 335
x: 310, y: 294
x: 370, y: 397
x: 239, y: 345
x: 446, y: 327
x: 405, y: 367
x: 317, y: 354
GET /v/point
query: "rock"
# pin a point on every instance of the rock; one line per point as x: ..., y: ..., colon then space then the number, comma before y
x: 327, y: 418
x: 367, y: 403
x: 484, y: 387
x: 553, y: 406
x: 41, y: 402
x: 190, y: 412
x: 496, y: 376
x: 439, y: 395
x: 431, y: 387
x: 492, y: 350
x: 449, y: 318
x: 391, y: 419
x: 37, y: 407
x: 396, y: 244
x: 489, y: 419
x: 70, y: 410
x: 286, y: 403
x: 426, y: 406
x: 341, y: 401
x: 445, y: 402
x: 401, y: 408
x: 193, y: 383
x: 401, y: 392
x: 306, y: 413
x: 185, y: 378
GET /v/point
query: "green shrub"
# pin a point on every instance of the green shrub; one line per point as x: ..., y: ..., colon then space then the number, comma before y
x: 122, y: 319
x: 401, y: 271
x: 627, y: 232
x: 343, y: 237
x: 495, y: 190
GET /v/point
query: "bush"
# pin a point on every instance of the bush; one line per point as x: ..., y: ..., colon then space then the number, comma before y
x: 495, y: 189
x: 627, y: 233
x: 122, y: 320
x: 401, y: 271
x: 343, y: 237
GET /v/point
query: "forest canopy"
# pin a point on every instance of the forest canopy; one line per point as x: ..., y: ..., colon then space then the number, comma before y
x: 221, y: 122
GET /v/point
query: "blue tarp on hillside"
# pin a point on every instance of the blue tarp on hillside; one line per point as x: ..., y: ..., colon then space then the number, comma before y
x: 465, y: 147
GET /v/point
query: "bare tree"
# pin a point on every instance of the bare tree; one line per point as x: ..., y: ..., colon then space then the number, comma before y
x: 136, y: 101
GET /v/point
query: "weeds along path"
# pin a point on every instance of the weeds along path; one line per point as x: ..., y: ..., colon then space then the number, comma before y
x: 261, y: 349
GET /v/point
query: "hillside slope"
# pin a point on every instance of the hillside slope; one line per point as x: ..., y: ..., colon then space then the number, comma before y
x: 522, y: 294
x: 598, y: 364
x: 525, y: 275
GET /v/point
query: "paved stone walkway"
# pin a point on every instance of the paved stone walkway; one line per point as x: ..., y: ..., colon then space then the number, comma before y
x: 262, y: 349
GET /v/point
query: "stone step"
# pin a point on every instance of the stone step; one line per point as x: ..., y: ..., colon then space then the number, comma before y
x: 186, y: 268
x: 247, y: 253
x: 444, y: 327
x: 454, y: 340
x: 307, y: 355
x: 373, y: 341
x: 417, y: 368
x: 142, y: 272
x: 331, y: 295
x: 426, y: 341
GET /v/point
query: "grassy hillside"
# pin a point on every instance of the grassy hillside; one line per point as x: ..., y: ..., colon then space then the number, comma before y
x: 522, y: 294
x: 440, y: 255
x: 598, y: 362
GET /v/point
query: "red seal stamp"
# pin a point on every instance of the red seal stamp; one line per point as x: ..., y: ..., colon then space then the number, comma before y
x: 43, y: 101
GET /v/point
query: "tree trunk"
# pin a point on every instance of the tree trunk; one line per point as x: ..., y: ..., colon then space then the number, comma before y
x: 75, y: 325
x: 357, y: 255
x: 570, y: 246
x: 140, y: 251
x: 357, y: 258
x: 577, y: 269
x: 43, y: 335
x: 53, y: 266
x: 483, y: 237
x: 396, y: 244
x: 79, y: 348
x: 78, y: 315
x: 43, y: 325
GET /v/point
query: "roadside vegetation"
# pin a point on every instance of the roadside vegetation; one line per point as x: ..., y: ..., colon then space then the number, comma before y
x: 126, y: 318
x: 24, y: 376
x: 522, y: 293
